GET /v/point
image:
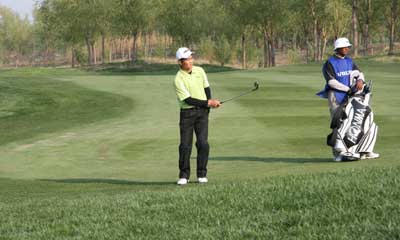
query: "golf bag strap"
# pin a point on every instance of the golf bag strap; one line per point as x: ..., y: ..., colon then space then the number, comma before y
x: 331, y: 138
x: 338, y: 116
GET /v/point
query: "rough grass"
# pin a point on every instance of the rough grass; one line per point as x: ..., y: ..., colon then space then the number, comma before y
x: 359, y: 204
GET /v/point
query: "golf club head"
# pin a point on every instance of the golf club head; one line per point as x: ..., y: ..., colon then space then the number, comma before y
x: 256, y: 85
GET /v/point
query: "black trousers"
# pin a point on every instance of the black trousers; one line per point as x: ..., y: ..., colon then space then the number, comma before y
x: 193, y: 120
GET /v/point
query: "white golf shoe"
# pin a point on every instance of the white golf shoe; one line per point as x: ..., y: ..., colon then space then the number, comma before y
x: 337, y: 158
x: 182, y: 181
x: 369, y: 155
x: 202, y: 180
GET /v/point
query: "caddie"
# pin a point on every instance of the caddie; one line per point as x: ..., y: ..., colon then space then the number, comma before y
x: 338, y: 71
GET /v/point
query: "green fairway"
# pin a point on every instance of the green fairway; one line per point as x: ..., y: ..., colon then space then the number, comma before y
x: 100, y: 148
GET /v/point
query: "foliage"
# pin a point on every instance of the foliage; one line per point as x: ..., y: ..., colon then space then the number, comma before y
x: 257, y: 26
x: 15, y: 36
x: 222, y: 50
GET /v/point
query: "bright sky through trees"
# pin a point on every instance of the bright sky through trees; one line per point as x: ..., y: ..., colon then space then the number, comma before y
x: 22, y: 7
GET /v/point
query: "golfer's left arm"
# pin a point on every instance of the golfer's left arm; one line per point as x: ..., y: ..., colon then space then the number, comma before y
x: 197, y: 102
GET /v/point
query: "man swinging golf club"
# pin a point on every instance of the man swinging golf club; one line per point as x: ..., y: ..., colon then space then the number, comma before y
x: 194, y: 96
x: 338, y: 71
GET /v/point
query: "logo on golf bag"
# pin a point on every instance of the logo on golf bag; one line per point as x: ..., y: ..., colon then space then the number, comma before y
x: 355, y: 131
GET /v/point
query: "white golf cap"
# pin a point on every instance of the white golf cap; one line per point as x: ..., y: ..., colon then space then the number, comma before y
x: 183, y: 52
x: 342, y: 42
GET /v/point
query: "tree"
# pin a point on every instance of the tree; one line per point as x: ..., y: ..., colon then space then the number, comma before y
x: 267, y: 16
x: 371, y: 21
x: 237, y: 20
x: 339, y: 12
x: 392, y: 12
x: 60, y: 18
x: 128, y: 19
x: 15, y: 36
x: 354, y: 23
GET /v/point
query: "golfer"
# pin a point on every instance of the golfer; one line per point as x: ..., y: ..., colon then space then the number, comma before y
x: 337, y: 71
x: 194, y: 97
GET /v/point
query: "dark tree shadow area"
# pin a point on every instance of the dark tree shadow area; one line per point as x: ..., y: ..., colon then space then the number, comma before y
x: 107, y: 181
x: 144, y: 68
x: 271, y: 159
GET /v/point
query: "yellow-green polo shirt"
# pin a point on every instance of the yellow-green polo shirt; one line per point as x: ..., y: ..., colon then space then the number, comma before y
x: 190, y: 85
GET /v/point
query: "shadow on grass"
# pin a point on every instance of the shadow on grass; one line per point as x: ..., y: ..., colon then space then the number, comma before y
x: 272, y: 159
x: 107, y: 181
x: 144, y: 68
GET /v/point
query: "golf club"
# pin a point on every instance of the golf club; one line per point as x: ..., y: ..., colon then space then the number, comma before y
x: 256, y: 86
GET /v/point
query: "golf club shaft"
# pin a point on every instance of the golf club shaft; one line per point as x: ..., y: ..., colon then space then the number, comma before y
x: 230, y: 99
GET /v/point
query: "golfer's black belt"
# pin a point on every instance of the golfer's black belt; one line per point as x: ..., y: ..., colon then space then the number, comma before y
x: 191, y: 109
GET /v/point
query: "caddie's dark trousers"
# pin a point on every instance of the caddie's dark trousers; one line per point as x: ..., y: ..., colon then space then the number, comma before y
x: 193, y: 120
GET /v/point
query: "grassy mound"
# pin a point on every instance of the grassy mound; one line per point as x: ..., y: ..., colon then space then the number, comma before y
x: 35, y: 104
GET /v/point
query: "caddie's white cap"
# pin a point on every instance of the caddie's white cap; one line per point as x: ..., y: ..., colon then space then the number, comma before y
x: 341, y: 43
x: 183, y: 52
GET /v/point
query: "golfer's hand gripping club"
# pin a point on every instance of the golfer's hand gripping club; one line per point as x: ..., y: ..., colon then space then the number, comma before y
x: 213, y: 103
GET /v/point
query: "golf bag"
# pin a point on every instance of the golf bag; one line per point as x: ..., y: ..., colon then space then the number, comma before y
x: 353, y: 129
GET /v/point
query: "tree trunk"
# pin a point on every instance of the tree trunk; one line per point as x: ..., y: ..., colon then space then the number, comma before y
x: 121, y: 52
x: 355, y: 28
x: 149, y: 55
x: 266, y: 51
x: 313, y: 10
x: 144, y: 38
x: 271, y: 49
x: 89, y: 49
x: 318, y: 48
x: 129, y: 48
x: 16, y: 60
x: 103, y: 49
x: 305, y: 41
x: 94, y: 53
x: 110, y: 57
x: 324, y: 40
x: 366, y: 28
x: 133, y: 54
x: 243, y: 51
x: 392, y: 25
x: 72, y: 57
x: 165, y: 48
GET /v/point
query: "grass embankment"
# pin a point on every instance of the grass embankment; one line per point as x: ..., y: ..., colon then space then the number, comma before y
x: 32, y: 103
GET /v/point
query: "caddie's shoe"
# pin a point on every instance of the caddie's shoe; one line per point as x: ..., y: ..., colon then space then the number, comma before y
x: 182, y: 181
x: 337, y: 158
x: 202, y: 180
x: 369, y: 155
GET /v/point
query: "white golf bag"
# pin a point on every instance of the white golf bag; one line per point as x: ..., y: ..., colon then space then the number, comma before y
x: 353, y: 129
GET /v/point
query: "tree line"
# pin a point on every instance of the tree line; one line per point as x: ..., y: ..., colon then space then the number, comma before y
x: 240, y: 32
